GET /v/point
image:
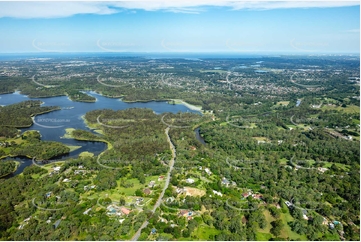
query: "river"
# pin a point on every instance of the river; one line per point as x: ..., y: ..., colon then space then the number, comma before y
x: 52, y: 125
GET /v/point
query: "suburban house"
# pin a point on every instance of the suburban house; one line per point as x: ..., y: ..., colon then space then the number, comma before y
x: 57, y: 169
x: 183, y: 212
x: 322, y: 169
x: 190, y: 180
x: 208, y: 171
x: 125, y: 211
x: 180, y: 190
x: 151, y: 184
x: 225, y: 182
x: 217, y: 193
x: 56, y: 224
x: 147, y: 191
x: 289, y: 204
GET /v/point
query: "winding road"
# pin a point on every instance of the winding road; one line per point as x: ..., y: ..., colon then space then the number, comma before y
x: 159, y: 201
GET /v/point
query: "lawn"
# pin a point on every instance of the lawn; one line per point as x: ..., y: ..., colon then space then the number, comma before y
x: 204, y: 231
x: 73, y: 147
x: 261, y: 139
x: 283, y: 161
x: 269, y: 219
x: 283, y: 103
x: 263, y: 236
x: 287, y: 232
x: 347, y: 109
x: 86, y: 154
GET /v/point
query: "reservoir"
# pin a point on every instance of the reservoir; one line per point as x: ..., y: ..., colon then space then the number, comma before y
x: 52, y: 125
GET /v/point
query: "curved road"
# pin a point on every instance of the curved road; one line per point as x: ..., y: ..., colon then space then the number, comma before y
x: 159, y: 201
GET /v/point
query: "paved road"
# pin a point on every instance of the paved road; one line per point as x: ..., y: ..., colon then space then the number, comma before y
x: 159, y: 201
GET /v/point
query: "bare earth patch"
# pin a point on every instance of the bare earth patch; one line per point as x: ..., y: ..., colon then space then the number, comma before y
x: 191, y: 191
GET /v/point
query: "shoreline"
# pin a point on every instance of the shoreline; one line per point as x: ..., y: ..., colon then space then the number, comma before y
x: 188, y: 105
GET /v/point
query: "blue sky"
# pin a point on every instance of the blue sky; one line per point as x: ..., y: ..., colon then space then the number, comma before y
x: 236, y: 27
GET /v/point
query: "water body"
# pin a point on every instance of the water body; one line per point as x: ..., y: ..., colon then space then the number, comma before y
x: 53, y: 124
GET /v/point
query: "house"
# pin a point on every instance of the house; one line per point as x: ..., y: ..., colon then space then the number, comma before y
x: 183, y: 212
x: 80, y: 167
x: 125, y: 211
x: 87, y: 211
x: 147, y: 191
x: 208, y: 171
x: 331, y: 225
x: 180, y: 190
x: 193, y: 148
x: 304, y: 214
x: 27, y: 219
x: 48, y: 194
x: 160, y: 178
x: 66, y: 180
x: 76, y: 172
x: 151, y: 184
x: 57, y: 169
x: 189, y: 218
x: 321, y: 169
x: 289, y: 204
x: 246, y: 194
x: 217, y: 193
x: 257, y: 196
x: 190, y: 180
x: 325, y: 222
x: 56, y: 224
x: 225, y: 182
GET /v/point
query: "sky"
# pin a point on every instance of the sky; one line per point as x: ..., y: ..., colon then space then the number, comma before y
x: 177, y: 26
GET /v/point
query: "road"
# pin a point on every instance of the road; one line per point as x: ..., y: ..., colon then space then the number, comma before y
x: 33, y: 79
x: 159, y: 201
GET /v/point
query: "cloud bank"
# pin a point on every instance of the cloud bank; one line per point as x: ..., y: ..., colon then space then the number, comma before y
x: 66, y: 9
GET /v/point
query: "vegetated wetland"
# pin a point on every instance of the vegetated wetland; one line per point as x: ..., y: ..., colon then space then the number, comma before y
x: 212, y: 148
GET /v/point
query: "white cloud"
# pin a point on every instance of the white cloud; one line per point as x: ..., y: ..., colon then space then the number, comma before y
x: 66, y: 9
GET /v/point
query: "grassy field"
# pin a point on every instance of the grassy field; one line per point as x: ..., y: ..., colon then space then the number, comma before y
x: 204, y: 231
x: 86, y: 154
x: 348, y: 109
x: 282, y: 103
x: 67, y: 134
x: 269, y: 219
x: 73, y: 147
x: 287, y: 232
x: 116, y: 193
x: 329, y: 164
x: 261, y: 139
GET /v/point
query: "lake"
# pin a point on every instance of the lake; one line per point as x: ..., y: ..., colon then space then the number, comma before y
x: 52, y: 125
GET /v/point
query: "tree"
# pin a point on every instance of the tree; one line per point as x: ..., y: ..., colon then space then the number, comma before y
x: 121, y: 201
x: 139, y: 192
x: 276, y: 227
